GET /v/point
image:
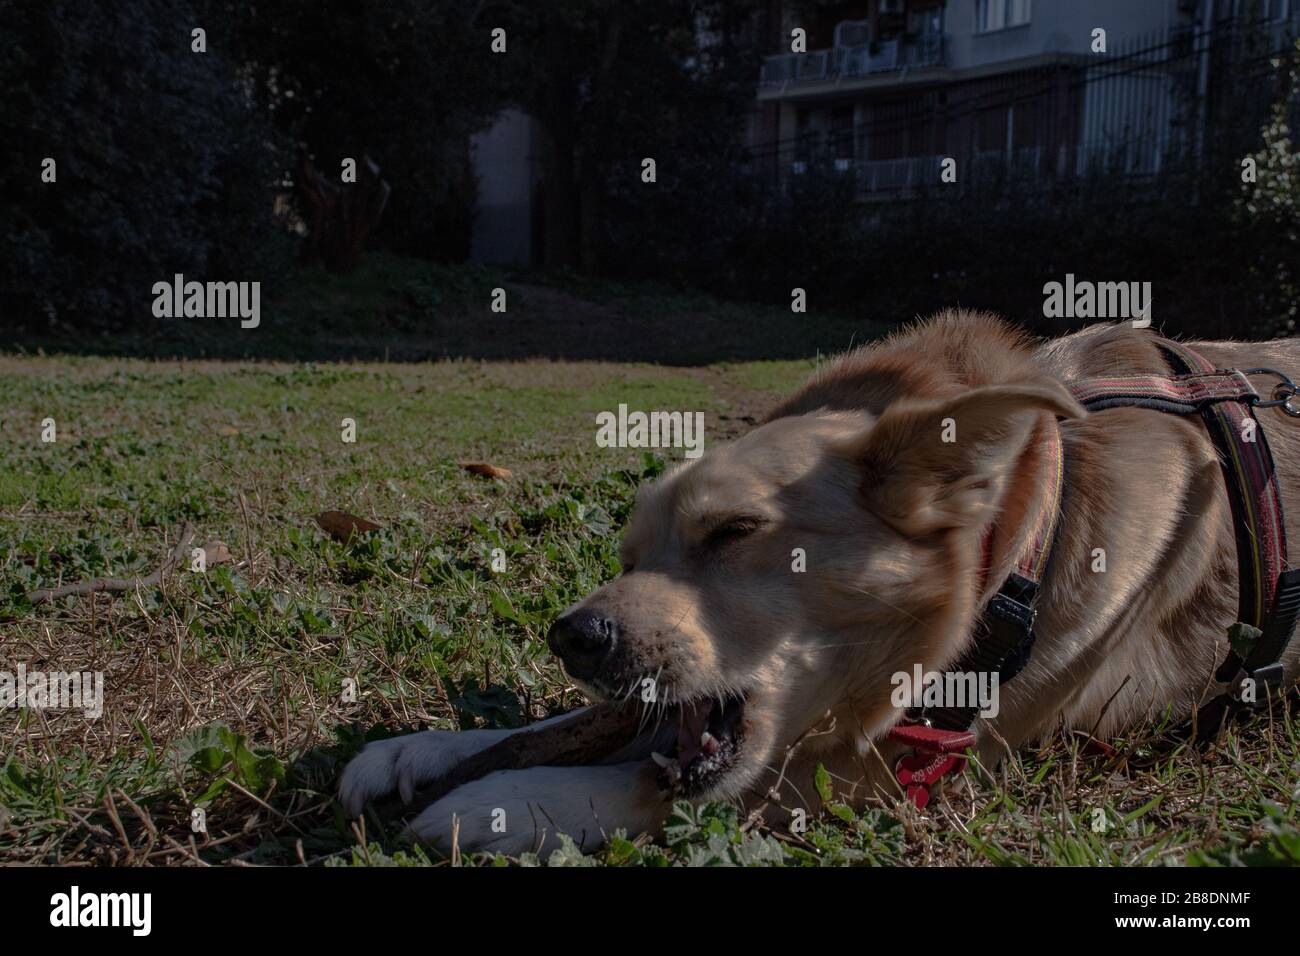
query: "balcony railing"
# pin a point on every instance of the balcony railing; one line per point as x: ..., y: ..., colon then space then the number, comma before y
x: 852, y: 62
x: 904, y: 175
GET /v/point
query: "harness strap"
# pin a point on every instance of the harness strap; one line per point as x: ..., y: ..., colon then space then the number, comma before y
x: 1252, y: 488
x: 1179, y: 394
x: 1268, y: 592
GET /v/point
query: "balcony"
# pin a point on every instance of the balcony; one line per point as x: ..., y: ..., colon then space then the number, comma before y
x: 853, y: 62
x: 889, y: 178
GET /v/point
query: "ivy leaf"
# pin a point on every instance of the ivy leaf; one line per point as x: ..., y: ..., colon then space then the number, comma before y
x: 1243, y: 638
x: 504, y: 609
x: 496, y: 705
x: 822, y: 781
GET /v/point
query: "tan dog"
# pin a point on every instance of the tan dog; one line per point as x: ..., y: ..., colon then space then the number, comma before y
x: 748, y: 654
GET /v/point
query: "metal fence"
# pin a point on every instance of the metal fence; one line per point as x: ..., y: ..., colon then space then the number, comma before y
x: 1160, y: 103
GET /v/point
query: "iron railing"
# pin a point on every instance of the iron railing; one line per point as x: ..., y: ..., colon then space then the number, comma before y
x: 1181, y: 99
x: 853, y: 62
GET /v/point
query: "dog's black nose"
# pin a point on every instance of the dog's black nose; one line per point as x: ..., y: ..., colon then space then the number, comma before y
x: 582, y: 640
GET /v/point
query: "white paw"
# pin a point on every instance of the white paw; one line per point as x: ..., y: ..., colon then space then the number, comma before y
x: 521, y: 811
x: 403, y: 764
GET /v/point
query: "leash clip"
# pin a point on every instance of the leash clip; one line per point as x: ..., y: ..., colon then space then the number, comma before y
x: 1283, y: 392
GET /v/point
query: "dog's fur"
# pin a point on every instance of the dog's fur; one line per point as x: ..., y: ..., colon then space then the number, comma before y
x: 851, y: 469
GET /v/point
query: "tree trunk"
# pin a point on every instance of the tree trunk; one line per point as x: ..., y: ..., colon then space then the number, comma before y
x: 593, y: 170
x: 559, y: 197
x: 559, y: 152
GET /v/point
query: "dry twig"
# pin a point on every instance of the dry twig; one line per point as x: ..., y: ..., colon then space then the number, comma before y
x: 96, y: 585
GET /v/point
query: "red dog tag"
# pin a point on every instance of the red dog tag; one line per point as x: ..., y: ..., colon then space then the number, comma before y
x: 917, y: 771
x: 932, y: 757
x: 932, y: 739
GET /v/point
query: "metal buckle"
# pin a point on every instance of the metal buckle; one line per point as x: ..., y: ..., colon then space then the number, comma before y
x: 1283, y: 392
x: 1268, y: 680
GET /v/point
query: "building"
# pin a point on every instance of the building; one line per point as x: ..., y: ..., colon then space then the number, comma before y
x: 887, y: 89
x: 507, y: 164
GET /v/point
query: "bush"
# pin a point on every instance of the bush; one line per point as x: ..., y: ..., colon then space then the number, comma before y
x: 406, y: 82
x: 1214, y: 272
x: 162, y: 163
x: 1269, y: 209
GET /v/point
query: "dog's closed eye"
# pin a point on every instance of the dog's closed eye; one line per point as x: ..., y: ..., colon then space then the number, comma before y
x: 731, y: 529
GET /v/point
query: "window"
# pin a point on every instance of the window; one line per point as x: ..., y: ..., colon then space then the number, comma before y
x: 842, y: 132
x: 852, y: 33
x: 993, y: 15
x: 926, y: 22
x: 1277, y: 9
x: 1262, y: 9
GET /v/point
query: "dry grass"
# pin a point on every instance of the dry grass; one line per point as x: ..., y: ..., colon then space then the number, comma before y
x: 263, y: 645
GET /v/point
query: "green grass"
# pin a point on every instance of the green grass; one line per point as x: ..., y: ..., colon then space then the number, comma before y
x: 248, y: 453
x: 226, y: 689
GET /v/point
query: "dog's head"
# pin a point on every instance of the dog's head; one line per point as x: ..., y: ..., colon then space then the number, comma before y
x: 794, y: 570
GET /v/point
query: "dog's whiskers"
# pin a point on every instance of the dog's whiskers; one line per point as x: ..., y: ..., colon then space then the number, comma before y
x: 876, y: 597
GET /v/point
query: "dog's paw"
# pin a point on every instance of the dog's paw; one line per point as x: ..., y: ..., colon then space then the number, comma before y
x: 403, y: 764
x: 521, y: 811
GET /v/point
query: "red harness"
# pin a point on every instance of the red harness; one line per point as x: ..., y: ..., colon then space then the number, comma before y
x: 1269, y: 592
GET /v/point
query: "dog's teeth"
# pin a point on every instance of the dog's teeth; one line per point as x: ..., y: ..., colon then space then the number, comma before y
x: 707, y: 743
x: 670, y: 768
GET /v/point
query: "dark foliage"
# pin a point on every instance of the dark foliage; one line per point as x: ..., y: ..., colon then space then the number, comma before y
x: 163, y: 167
x: 614, y: 82
x: 406, y: 82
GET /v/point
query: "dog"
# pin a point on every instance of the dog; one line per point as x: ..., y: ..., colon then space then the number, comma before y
x: 773, y: 589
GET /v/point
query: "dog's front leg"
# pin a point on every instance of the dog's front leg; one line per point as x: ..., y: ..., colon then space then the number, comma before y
x: 518, y: 811
x: 403, y: 764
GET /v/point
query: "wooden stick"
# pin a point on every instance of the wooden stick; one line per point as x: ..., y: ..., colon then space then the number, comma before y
x: 95, y: 585
x: 584, y: 738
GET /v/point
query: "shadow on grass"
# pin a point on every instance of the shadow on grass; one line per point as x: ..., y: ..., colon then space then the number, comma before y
x: 407, y: 310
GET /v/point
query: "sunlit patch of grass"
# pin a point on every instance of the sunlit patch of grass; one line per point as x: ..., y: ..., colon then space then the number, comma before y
x: 227, y: 691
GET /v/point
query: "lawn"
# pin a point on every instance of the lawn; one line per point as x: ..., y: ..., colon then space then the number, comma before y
x: 230, y: 690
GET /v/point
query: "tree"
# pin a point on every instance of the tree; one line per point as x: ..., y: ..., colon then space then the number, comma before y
x: 406, y: 82
x: 613, y: 82
x: 1269, y: 206
x: 161, y: 165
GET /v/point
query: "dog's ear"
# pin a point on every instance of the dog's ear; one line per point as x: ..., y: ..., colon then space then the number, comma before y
x: 934, y: 465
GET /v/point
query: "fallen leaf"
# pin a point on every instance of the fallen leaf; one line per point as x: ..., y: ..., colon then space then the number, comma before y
x: 485, y: 469
x: 342, y: 526
x: 1094, y: 747
x: 227, y: 430
x: 216, y: 552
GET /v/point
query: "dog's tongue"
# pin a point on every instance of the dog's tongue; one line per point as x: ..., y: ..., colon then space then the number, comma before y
x: 694, y: 721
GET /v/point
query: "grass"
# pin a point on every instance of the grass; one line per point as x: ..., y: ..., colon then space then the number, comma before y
x: 398, y: 309
x: 228, y: 690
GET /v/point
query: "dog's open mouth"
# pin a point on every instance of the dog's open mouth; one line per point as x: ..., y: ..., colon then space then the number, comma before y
x: 710, y: 734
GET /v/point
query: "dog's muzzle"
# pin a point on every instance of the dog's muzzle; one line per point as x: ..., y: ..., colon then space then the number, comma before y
x: 582, y: 640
